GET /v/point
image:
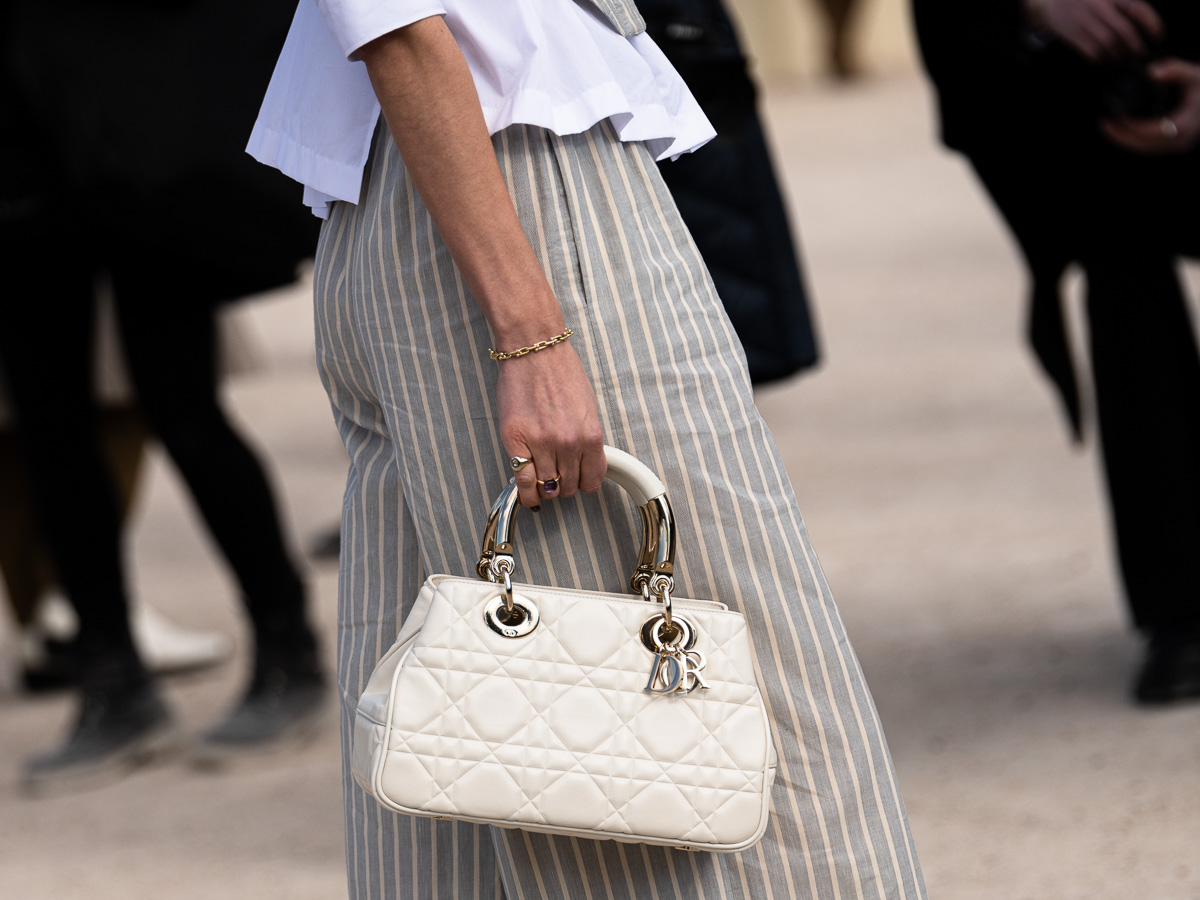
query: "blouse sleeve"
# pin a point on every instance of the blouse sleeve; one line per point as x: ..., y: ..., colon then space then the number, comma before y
x: 358, y: 22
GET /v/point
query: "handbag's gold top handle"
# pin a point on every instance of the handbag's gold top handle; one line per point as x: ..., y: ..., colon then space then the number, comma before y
x: 655, y: 571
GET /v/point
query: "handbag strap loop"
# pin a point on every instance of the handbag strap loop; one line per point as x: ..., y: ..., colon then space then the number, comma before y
x: 655, y: 568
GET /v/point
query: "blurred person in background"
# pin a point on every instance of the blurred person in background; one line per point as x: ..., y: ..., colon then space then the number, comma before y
x: 1082, y: 120
x: 728, y: 195
x: 124, y: 125
x: 47, y: 652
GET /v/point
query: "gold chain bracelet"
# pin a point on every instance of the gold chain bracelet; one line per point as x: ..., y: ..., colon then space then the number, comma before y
x: 540, y: 345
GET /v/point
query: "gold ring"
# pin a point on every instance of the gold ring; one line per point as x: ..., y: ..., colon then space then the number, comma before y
x: 549, y: 485
x: 519, y: 462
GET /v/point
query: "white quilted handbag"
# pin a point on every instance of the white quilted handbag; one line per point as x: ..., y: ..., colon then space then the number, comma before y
x: 604, y: 716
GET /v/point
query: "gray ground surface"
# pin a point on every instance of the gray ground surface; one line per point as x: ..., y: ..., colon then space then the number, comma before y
x: 962, y: 535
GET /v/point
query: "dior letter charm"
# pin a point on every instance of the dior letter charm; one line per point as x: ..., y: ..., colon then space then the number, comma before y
x: 693, y: 663
x: 667, y: 671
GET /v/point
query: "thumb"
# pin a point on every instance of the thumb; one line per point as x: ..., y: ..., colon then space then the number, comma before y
x: 1174, y: 71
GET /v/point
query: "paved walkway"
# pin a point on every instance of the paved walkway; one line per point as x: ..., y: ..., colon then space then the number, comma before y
x: 961, y: 534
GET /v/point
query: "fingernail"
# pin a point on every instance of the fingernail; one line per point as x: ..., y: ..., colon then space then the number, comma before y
x: 534, y: 508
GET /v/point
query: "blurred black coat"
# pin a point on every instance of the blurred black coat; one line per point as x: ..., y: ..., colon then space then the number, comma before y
x: 728, y: 195
x: 1026, y: 115
x: 128, y: 122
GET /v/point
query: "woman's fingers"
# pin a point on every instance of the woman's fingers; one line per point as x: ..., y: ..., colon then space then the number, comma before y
x: 1176, y: 132
x: 1098, y: 29
x: 1093, y: 40
x: 566, y: 456
x: 1176, y: 71
x: 525, y: 475
x: 1119, y: 30
x: 1145, y: 16
x: 548, y: 476
x: 1152, y: 137
x: 1137, y: 136
x: 592, y: 467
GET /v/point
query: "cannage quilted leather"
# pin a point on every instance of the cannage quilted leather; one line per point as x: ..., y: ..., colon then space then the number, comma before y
x: 556, y: 732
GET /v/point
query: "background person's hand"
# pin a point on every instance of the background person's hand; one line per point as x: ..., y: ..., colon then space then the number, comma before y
x: 1097, y: 29
x: 548, y: 414
x: 1176, y: 132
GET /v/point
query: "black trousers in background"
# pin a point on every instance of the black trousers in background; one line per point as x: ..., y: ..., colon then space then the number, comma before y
x: 46, y: 347
x: 1145, y: 366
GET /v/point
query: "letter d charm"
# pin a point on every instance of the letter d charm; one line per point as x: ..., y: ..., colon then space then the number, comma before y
x: 671, y: 678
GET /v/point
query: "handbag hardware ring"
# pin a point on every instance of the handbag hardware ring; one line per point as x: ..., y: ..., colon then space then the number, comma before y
x: 661, y: 585
x: 658, y: 636
x: 503, y: 566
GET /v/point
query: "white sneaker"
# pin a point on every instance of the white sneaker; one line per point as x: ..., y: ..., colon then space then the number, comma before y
x: 164, y: 646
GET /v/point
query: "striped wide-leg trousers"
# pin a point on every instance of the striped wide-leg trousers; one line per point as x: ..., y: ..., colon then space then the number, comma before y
x: 402, y: 349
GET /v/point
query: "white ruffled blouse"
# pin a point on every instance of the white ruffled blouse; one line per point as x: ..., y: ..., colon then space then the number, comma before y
x: 557, y: 64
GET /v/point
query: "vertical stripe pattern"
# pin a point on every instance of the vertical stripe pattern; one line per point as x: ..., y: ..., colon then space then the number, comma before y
x: 402, y: 351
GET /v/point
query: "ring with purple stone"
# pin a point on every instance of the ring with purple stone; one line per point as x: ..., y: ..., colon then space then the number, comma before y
x: 549, y: 485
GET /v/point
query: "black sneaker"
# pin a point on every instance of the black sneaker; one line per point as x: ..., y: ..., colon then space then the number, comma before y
x: 1171, y: 670
x: 281, y: 708
x: 121, y: 725
x: 52, y: 665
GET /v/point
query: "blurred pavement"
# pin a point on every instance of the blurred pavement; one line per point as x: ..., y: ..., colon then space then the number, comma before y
x: 962, y: 535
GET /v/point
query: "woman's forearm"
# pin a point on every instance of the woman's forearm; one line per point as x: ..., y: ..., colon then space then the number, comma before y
x: 432, y: 109
x: 547, y: 408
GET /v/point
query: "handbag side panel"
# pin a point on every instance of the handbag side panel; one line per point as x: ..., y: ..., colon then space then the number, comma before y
x: 375, y: 702
x: 556, y: 731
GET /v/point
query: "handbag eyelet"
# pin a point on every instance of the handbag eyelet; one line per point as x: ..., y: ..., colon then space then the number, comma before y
x: 516, y: 622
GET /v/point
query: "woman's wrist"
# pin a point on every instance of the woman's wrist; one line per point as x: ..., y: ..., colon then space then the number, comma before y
x: 525, y: 321
x: 536, y: 347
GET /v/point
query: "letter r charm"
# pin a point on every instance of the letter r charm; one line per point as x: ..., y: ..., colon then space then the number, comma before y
x: 693, y: 662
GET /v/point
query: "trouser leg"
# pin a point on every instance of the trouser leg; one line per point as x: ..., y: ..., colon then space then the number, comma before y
x: 1147, y: 377
x: 46, y: 346
x: 25, y: 562
x: 21, y: 545
x: 1145, y: 373
x: 170, y: 344
x: 381, y: 571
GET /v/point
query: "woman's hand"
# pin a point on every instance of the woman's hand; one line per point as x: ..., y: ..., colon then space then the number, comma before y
x: 548, y: 414
x: 1097, y: 29
x: 1177, y: 132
